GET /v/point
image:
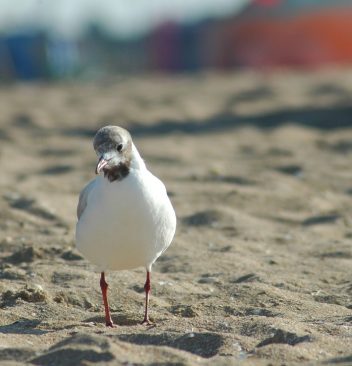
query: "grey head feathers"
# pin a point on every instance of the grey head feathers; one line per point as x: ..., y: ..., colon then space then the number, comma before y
x: 109, y: 137
x: 113, y: 146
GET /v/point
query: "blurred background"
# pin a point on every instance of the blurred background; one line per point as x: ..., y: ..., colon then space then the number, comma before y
x: 88, y: 39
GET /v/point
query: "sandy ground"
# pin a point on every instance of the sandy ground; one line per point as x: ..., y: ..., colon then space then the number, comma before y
x: 259, y: 171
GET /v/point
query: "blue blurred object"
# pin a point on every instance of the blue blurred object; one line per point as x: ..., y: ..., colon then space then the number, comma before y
x: 62, y: 57
x: 26, y: 55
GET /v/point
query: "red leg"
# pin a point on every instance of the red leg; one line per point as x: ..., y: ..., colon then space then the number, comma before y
x: 104, y: 291
x: 147, y: 290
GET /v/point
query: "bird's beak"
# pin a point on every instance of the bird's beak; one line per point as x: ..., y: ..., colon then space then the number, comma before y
x: 101, y: 163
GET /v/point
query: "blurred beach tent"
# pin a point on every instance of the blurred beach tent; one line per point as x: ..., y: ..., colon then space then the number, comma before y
x: 264, y: 34
x: 269, y: 33
x: 32, y: 55
x: 175, y: 47
x: 261, y: 34
x: 63, y: 57
x: 22, y: 56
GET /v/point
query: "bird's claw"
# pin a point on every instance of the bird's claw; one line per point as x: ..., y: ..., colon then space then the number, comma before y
x: 147, y: 322
x: 110, y: 324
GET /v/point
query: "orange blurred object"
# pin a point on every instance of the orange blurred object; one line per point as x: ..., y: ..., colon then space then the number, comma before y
x: 307, y: 38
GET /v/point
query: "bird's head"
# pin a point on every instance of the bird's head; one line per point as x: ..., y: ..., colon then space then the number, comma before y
x: 113, y: 146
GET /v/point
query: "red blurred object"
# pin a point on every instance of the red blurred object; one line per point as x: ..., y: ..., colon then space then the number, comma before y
x: 265, y: 34
x: 164, y: 47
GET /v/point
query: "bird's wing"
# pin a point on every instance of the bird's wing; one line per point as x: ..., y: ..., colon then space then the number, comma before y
x: 83, y: 198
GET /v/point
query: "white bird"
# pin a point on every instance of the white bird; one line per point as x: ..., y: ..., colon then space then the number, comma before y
x: 125, y: 218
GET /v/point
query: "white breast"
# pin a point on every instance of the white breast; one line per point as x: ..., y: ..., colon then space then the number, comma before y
x: 127, y: 223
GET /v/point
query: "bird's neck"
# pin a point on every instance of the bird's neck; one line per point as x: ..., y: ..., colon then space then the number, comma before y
x: 136, y: 161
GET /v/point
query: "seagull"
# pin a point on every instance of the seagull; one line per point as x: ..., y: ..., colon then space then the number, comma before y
x: 125, y: 217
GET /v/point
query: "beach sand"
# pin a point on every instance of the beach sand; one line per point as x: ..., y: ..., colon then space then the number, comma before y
x: 258, y: 167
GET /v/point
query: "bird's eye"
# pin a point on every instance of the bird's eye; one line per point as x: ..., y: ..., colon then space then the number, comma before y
x: 119, y: 147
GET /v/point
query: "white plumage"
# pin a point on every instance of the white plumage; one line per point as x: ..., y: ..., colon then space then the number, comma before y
x: 128, y: 223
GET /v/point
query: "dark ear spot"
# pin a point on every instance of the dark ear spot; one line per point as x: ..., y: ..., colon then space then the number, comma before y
x: 119, y: 147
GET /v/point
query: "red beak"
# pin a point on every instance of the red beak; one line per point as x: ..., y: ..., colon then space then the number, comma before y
x: 101, y: 163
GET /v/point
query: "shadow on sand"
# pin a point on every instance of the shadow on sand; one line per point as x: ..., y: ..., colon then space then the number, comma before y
x: 324, y: 118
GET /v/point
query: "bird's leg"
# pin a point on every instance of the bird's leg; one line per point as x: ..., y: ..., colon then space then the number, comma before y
x: 104, y: 291
x: 147, y: 290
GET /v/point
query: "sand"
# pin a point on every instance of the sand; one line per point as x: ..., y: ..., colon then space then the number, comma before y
x: 258, y: 168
